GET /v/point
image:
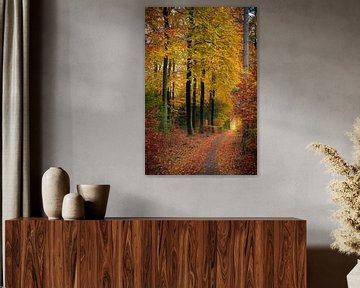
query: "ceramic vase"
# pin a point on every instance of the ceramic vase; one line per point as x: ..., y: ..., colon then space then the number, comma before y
x: 73, y: 207
x: 96, y: 198
x: 55, y: 185
x: 353, y: 278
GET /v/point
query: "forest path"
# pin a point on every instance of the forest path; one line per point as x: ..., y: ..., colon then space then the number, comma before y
x: 200, y: 154
x: 211, y: 163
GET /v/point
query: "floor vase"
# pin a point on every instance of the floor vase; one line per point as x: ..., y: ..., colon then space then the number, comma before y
x: 353, y: 278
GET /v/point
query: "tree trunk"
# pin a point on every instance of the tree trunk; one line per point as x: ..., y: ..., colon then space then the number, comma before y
x: 202, y: 100
x: 168, y: 94
x: 194, y: 105
x: 212, y: 110
x: 164, y: 125
x: 173, y: 94
x: 189, y: 126
x: 164, y: 95
x: 173, y: 84
x: 246, y: 40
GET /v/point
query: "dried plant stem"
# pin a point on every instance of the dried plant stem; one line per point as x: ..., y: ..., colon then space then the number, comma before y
x: 345, y: 192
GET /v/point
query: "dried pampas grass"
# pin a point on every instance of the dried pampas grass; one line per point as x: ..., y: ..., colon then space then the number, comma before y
x: 345, y: 192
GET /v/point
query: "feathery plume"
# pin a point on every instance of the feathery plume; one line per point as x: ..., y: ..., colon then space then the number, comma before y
x: 345, y: 192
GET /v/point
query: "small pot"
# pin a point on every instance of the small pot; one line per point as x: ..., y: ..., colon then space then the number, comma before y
x: 96, y: 198
x: 73, y: 207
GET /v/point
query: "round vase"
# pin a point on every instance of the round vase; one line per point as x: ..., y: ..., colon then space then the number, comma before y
x: 73, y: 207
x: 96, y: 198
x: 55, y: 185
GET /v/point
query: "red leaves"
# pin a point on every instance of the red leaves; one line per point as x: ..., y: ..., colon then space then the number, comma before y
x: 231, y: 160
x: 245, y: 101
x: 178, y: 154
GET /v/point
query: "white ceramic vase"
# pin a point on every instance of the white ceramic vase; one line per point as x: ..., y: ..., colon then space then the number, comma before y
x: 55, y: 185
x: 73, y: 207
x: 353, y: 278
x: 96, y: 198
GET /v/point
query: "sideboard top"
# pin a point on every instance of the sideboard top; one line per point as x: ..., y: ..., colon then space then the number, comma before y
x: 173, y: 219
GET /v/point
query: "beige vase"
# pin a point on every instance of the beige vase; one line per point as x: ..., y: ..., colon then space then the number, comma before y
x: 96, y: 198
x: 73, y: 207
x: 353, y: 278
x: 55, y: 185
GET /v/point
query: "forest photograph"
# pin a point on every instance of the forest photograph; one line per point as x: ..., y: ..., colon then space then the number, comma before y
x: 200, y: 91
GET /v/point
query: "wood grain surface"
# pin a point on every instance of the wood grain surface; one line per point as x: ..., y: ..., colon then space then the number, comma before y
x: 157, y: 253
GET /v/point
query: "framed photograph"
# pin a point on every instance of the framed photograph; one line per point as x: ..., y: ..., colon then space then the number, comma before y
x: 200, y: 91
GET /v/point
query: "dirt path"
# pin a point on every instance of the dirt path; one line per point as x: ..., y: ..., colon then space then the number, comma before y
x: 210, y: 165
x: 186, y: 155
x: 201, y: 154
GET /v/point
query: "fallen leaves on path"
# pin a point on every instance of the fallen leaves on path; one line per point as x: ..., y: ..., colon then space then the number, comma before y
x: 230, y: 159
x: 176, y: 153
x: 228, y: 154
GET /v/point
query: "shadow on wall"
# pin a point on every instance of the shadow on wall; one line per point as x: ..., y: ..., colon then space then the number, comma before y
x: 328, y: 268
x: 36, y: 12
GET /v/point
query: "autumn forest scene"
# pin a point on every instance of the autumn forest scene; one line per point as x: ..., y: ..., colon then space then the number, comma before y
x: 200, y: 91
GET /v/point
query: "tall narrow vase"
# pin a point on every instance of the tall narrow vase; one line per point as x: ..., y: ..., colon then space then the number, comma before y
x: 55, y: 185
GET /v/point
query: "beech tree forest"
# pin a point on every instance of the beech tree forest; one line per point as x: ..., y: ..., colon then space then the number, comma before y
x: 200, y: 91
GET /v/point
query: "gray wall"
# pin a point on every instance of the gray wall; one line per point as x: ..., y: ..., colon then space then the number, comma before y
x: 88, y: 108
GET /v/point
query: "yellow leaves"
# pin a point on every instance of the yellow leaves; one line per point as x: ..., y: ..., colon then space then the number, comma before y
x: 216, y: 37
x: 216, y: 47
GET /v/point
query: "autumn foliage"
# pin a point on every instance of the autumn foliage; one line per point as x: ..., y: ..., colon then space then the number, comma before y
x: 200, y: 90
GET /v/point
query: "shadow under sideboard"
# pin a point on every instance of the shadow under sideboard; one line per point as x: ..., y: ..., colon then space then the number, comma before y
x: 328, y: 268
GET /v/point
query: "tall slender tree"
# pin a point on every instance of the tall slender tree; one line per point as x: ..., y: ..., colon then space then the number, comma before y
x: 202, y: 101
x: 212, y: 109
x: 173, y: 86
x: 166, y: 14
x: 193, y: 114
x: 168, y: 94
x: 246, y: 40
x: 189, y: 126
x: 212, y: 103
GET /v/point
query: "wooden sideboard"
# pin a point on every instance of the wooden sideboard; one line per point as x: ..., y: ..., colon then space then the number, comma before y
x: 156, y: 252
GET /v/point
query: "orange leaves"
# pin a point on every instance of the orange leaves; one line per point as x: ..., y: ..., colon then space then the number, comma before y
x: 245, y: 98
x: 216, y: 38
x: 179, y: 154
x: 231, y: 158
x: 176, y: 153
x: 202, y: 44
